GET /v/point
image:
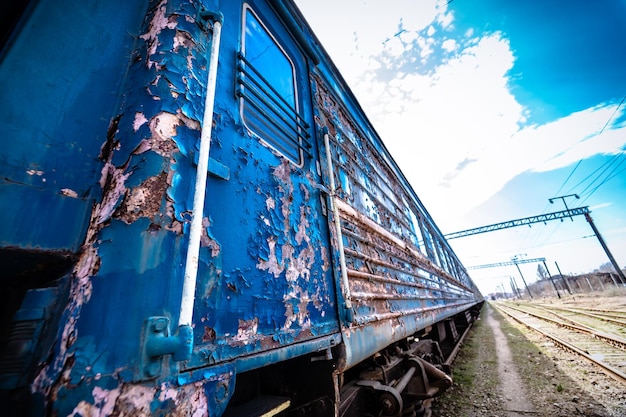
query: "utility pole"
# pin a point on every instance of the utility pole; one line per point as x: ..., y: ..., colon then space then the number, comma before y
x: 514, y: 289
x: 519, y: 293
x: 502, y: 291
x: 563, y: 278
x: 562, y: 197
x: 551, y: 280
x: 514, y: 260
x: 620, y: 274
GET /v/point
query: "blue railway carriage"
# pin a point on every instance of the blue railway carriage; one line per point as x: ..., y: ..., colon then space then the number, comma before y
x: 198, y: 219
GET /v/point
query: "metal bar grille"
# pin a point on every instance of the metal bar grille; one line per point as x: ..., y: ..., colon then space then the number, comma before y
x: 276, y: 113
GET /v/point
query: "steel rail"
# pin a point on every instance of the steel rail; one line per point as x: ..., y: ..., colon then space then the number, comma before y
x: 576, y: 326
x: 614, y: 314
x: 603, y: 317
x: 609, y: 370
x: 622, y: 313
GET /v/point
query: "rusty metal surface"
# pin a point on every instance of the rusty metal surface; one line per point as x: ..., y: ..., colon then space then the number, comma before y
x: 402, y: 275
x: 269, y: 286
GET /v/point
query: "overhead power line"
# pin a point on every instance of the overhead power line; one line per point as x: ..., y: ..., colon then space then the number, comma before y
x: 543, y: 218
x: 579, y: 162
x: 521, y: 222
x: 507, y: 263
x: 607, y: 177
x: 516, y: 261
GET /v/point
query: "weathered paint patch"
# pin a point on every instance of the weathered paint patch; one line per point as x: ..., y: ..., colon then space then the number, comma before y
x: 139, y: 161
x: 159, y: 22
x: 140, y: 120
x: 143, y: 201
x: 112, y: 180
x: 103, y: 404
x: 395, y: 288
x: 291, y: 254
x: 207, y: 241
x: 164, y: 127
x: 67, y: 192
x: 271, y: 263
x: 139, y: 401
x: 247, y: 330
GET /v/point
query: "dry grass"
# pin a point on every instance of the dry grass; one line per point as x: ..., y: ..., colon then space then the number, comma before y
x: 554, y: 388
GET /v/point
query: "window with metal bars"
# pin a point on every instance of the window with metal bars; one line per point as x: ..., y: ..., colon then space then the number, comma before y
x: 267, y: 87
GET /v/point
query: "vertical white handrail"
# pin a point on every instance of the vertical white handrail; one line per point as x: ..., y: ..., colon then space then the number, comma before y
x: 195, y: 234
x: 342, y: 257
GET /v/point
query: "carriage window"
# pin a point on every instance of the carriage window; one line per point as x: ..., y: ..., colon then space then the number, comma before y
x: 267, y: 90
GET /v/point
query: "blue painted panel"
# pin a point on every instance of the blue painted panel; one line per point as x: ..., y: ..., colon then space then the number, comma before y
x: 40, y: 218
x: 361, y: 341
x: 267, y: 283
x: 60, y: 83
x: 130, y: 266
x: 135, y: 280
x: 265, y: 288
x: 103, y: 153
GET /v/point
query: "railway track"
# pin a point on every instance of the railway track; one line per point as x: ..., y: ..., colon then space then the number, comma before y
x: 610, y: 321
x: 602, y: 345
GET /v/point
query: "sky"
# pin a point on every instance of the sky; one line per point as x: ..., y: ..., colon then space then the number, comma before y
x: 491, y: 108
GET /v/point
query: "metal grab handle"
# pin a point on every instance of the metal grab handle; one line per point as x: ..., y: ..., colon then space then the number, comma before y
x: 195, y: 233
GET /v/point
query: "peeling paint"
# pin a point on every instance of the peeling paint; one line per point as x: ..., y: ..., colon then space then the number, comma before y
x: 159, y: 22
x: 144, y: 200
x: 247, y: 330
x: 395, y: 287
x: 112, y: 180
x: 301, y: 235
x: 294, y: 261
x: 272, y: 264
x: 207, y: 241
x: 183, y: 39
x: 135, y: 400
x: 163, y: 127
x: 140, y: 120
x: 69, y: 193
x: 104, y: 402
x: 128, y: 195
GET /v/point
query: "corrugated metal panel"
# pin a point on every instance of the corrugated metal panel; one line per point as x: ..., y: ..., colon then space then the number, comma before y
x: 388, y: 277
x: 402, y: 275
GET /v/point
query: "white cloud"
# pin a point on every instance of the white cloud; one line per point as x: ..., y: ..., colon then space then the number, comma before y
x: 356, y: 30
x: 567, y: 140
x: 444, y: 18
x: 443, y: 105
x: 454, y: 117
x: 450, y: 45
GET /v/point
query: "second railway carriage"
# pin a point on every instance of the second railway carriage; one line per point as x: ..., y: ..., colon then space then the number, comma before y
x: 200, y: 220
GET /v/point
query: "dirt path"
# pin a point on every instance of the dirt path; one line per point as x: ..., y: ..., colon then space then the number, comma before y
x: 506, y: 370
x: 516, y: 402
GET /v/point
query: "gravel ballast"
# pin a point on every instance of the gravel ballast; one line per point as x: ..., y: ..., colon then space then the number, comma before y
x: 547, y: 380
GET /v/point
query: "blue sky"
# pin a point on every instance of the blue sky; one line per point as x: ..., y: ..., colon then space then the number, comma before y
x: 491, y: 108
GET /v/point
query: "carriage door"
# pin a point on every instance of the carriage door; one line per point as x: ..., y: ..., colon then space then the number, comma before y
x: 266, y: 281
